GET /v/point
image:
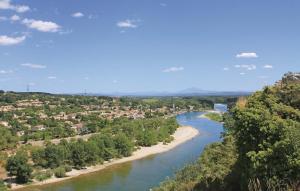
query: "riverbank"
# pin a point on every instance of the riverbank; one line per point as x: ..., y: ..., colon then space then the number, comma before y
x: 213, y: 115
x: 181, y: 135
x: 209, y: 111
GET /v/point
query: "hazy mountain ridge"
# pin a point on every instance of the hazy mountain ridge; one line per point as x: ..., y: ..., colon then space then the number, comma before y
x: 185, y: 92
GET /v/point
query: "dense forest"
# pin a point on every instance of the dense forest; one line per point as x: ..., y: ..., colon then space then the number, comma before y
x: 260, y: 150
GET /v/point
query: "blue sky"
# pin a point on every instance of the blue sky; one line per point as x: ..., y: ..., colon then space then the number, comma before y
x: 66, y: 46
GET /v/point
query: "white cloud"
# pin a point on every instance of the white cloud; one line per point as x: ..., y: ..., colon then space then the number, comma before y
x: 6, y: 40
x: 6, y: 5
x: 43, y: 26
x: 247, y: 55
x: 267, y: 66
x: 12, y: 18
x: 246, y: 66
x: 242, y: 73
x: 225, y: 69
x: 77, y: 15
x: 173, y: 69
x: 6, y: 71
x: 127, y: 24
x: 15, y: 18
x: 22, y: 8
x: 52, y: 77
x: 34, y: 66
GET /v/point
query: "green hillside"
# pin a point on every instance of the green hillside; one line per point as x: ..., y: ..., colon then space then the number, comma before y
x: 260, y: 150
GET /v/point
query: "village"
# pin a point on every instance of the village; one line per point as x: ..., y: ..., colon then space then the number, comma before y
x: 30, y: 117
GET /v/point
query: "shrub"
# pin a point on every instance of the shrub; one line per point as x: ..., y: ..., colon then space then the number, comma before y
x: 68, y: 168
x: 60, y: 172
x: 2, y: 186
x: 43, y: 175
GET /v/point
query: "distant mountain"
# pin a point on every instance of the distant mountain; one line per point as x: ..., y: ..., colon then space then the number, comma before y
x: 186, y: 92
x: 200, y: 92
x: 195, y: 90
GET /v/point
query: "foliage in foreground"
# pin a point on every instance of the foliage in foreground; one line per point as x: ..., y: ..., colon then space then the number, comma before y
x: 261, y: 147
x: 212, y: 171
x: 2, y: 186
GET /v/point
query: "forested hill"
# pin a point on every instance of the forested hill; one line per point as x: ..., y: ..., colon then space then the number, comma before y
x: 260, y: 150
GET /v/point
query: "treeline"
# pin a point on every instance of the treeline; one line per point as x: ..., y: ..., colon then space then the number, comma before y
x: 41, y: 116
x: 188, y: 103
x: 118, y: 141
x: 260, y: 150
x: 10, y: 97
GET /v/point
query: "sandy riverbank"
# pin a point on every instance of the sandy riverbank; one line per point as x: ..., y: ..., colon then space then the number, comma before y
x: 209, y: 111
x: 181, y: 135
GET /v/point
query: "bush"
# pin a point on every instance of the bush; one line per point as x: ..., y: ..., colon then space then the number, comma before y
x: 60, y: 172
x: 68, y: 168
x: 43, y: 175
x: 2, y: 186
x: 168, y: 140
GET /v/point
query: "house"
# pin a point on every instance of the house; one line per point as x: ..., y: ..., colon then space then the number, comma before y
x: 78, y: 128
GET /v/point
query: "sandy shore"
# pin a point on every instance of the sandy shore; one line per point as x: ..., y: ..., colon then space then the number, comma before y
x: 209, y: 111
x: 181, y: 135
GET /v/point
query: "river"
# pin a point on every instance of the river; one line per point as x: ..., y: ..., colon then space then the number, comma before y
x: 146, y: 173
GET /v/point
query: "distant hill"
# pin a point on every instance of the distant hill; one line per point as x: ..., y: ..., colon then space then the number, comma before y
x: 186, y: 92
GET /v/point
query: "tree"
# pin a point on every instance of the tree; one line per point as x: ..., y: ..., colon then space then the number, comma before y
x: 55, y: 155
x: 123, y: 145
x: 266, y: 130
x: 78, y: 154
x: 147, y: 138
x: 106, y: 145
x: 260, y: 148
x: 7, y: 140
x: 92, y: 152
x: 18, y: 166
x: 38, y: 157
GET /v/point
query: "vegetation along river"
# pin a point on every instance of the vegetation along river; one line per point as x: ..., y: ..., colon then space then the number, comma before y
x: 148, y: 172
